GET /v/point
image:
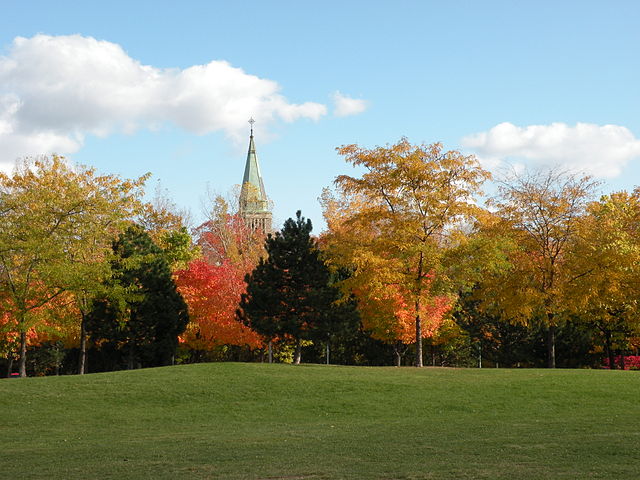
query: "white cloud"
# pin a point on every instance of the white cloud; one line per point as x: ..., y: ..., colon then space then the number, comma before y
x: 54, y: 90
x: 599, y: 150
x: 345, y: 106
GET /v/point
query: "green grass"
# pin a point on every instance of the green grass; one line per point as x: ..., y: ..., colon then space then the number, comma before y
x: 256, y: 421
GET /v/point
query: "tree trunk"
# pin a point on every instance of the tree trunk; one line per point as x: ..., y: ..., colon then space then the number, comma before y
x: 607, y: 346
x: 58, y: 359
x: 551, y: 346
x: 82, y: 367
x: 270, y: 351
x: 418, y: 319
x: 22, y: 365
x: 418, y: 336
x: 10, y: 366
x: 622, y: 361
x: 298, y: 355
x: 131, y: 362
x: 397, y: 350
x: 327, y: 351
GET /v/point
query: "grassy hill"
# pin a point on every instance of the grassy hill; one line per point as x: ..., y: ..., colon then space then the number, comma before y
x: 259, y: 421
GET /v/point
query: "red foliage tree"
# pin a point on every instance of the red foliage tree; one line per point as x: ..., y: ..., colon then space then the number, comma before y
x: 212, y: 293
x: 213, y: 284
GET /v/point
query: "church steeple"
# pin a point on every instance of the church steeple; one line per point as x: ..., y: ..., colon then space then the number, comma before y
x: 254, y: 204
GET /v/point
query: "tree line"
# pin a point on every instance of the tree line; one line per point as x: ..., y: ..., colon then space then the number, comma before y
x: 415, y: 266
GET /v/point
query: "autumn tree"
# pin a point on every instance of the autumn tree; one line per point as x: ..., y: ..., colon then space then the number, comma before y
x: 226, y: 236
x: 9, y: 344
x: 392, y: 226
x: 168, y: 226
x: 212, y: 284
x: 288, y: 293
x: 115, y: 204
x: 56, y: 222
x: 213, y: 293
x: 387, y: 317
x: 607, y: 252
x: 540, y: 211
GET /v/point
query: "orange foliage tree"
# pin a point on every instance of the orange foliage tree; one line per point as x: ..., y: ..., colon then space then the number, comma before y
x: 388, y: 317
x: 392, y: 226
x: 56, y: 321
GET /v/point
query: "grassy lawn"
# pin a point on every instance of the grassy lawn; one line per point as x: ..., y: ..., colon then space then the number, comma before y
x: 257, y: 421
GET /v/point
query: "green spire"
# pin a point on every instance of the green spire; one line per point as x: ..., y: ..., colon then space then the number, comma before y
x: 253, y: 197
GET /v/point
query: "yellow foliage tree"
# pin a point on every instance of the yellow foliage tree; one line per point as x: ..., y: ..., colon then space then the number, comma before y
x: 539, y: 213
x: 607, y: 250
x: 392, y: 225
x: 56, y: 227
x: 168, y: 226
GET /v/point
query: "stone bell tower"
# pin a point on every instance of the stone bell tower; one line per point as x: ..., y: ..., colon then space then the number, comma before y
x: 254, y: 204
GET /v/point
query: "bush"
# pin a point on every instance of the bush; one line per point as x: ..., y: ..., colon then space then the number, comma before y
x: 631, y: 362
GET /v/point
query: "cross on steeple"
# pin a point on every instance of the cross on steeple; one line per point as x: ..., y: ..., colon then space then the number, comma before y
x: 251, y: 122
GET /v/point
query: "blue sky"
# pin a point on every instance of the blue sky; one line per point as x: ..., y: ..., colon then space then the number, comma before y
x: 167, y: 87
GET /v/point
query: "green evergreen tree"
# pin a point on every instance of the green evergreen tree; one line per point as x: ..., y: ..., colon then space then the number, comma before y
x: 144, y: 314
x: 289, y: 294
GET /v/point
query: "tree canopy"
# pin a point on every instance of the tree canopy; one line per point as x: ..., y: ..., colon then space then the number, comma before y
x: 392, y: 225
x: 56, y: 223
x: 540, y: 211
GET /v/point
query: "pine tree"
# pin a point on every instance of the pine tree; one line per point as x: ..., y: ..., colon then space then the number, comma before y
x: 288, y: 294
x: 144, y: 314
